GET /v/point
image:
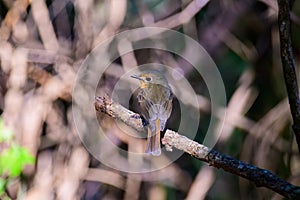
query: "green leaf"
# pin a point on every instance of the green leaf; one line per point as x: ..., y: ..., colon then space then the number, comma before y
x: 3, y: 183
x: 12, y: 160
x: 6, y: 134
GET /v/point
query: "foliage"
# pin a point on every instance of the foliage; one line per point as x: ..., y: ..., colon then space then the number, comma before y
x: 12, y: 159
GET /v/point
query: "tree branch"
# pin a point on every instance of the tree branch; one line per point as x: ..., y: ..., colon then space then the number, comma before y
x: 260, y: 177
x: 288, y: 64
x: 117, y: 111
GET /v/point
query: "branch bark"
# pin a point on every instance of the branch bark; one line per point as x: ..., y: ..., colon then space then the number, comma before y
x: 288, y: 64
x: 260, y: 177
x: 117, y: 111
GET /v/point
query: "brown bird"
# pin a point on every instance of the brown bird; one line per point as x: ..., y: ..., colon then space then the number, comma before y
x: 155, y: 101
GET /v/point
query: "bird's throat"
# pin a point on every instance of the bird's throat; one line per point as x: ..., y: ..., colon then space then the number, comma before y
x: 144, y: 85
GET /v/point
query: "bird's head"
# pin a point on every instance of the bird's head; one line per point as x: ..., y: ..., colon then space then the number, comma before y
x: 151, y: 77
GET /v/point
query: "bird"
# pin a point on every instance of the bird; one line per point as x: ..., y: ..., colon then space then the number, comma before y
x: 155, y: 105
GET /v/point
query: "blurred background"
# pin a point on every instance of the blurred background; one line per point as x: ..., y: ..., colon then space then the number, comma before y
x: 43, y: 44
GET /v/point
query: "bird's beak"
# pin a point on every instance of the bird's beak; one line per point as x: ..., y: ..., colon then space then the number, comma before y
x: 137, y: 77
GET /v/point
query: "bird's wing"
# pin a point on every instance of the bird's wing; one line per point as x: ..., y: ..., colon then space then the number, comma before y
x: 166, y: 110
x: 167, y: 105
x: 144, y: 105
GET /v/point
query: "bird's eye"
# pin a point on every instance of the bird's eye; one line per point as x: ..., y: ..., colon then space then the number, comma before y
x: 148, y: 79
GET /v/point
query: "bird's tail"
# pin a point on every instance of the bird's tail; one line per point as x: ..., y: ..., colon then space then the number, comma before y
x: 153, y: 140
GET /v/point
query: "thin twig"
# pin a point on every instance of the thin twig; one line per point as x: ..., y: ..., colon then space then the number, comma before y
x: 12, y: 17
x: 41, y: 17
x: 184, y: 16
x: 288, y: 64
x: 260, y: 177
x: 105, y: 176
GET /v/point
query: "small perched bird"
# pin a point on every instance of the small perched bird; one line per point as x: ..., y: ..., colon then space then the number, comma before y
x: 155, y: 101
